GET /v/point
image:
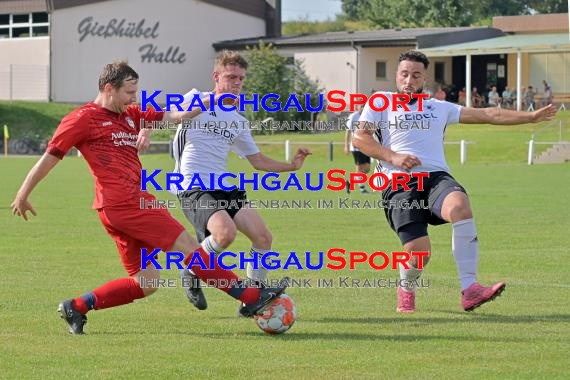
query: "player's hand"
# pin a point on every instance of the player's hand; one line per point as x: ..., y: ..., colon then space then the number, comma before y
x: 299, y: 158
x: 346, y: 150
x: 544, y: 114
x: 405, y: 161
x: 20, y: 206
x: 143, y: 141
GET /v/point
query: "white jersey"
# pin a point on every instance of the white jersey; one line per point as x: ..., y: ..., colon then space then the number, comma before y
x: 204, y: 148
x: 413, y: 132
x: 351, y: 127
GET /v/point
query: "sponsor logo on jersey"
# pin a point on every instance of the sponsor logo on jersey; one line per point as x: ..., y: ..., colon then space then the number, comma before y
x: 130, y: 122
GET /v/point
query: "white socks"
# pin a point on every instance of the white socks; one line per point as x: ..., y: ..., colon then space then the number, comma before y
x: 209, y: 245
x: 465, y: 251
x: 261, y: 272
x: 409, y: 275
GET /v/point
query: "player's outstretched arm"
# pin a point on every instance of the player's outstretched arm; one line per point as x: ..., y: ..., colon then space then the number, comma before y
x: 177, y: 116
x: 21, y: 205
x: 261, y: 162
x: 364, y: 140
x: 501, y: 116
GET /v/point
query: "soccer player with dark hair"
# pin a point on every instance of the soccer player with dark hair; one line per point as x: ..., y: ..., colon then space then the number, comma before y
x: 417, y: 150
x: 106, y: 132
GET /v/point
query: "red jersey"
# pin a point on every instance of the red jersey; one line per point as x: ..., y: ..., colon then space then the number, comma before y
x: 107, y: 141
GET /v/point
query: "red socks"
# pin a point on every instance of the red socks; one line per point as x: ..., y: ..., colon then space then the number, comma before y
x: 114, y: 293
x: 125, y: 290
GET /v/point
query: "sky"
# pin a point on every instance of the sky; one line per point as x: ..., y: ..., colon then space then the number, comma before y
x: 314, y: 10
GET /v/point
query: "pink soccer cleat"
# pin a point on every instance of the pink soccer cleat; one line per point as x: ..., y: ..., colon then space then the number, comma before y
x: 476, y: 295
x: 406, y: 301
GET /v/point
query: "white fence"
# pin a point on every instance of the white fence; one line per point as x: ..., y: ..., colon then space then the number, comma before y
x: 166, y: 146
x: 24, y: 82
x: 287, y: 147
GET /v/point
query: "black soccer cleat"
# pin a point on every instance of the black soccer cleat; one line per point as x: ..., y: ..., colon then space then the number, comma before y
x: 75, y: 320
x: 191, y: 285
x: 266, y: 297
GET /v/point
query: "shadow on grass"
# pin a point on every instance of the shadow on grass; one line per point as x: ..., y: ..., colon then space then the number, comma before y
x: 460, y: 318
x: 303, y: 335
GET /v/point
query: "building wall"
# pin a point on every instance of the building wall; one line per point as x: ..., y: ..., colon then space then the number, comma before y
x: 334, y: 67
x: 368, y: 81
x: 188, y: 27
x: 24, y: 68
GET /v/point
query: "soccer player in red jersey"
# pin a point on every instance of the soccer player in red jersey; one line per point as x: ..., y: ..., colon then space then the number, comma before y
x: 106, y: 132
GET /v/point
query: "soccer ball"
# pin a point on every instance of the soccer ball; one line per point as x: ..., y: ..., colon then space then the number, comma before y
x: 278, y: 317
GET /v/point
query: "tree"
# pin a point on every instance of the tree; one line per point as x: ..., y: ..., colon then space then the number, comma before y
x: 548, y: 6
x: 443, y: 13
x: 351, y: 8
x: 270, y: 73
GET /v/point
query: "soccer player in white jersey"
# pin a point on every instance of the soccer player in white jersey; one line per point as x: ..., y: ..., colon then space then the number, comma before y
x: 361, y: 161
x: 205, y: 150
x: 415, y: 150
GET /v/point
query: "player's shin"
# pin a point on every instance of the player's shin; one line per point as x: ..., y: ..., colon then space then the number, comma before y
x: 114, y: 293
x: 409, y: 276
x: 465, y: 247
x: 259, y: 274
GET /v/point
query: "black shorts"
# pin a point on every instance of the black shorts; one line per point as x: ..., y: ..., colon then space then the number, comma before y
x: 436, y: 187
x: 198, y: 206
x: 360, y: 158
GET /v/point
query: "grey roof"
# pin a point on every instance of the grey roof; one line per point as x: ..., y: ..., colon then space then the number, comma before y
x: 424, y: 37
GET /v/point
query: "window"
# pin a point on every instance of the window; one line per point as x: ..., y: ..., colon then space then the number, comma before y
x: 552, y: 67
x: 21, y: 19
x: 24, y: 25
x: 39, y: 17
x: 290, y: 61
x: 38, y: 31
x: 20, y: 32
x: 439, y: 73
x: 380, y: 70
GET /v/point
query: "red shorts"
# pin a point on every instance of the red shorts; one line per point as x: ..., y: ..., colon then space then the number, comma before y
x: 134, y: 228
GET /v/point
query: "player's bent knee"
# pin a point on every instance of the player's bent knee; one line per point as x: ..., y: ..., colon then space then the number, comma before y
x: 416, y: 261
x: 364, y: 168
x: 225, y: 236
x: 147, y: 280
x: 263, y: 239
x: 149, y: 290
x: 184, y: 243
x: 460, y: 212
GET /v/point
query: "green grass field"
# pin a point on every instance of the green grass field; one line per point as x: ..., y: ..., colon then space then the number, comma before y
x: 523, y: 223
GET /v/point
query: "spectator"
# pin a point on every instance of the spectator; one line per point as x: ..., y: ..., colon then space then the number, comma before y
x: 493, y: 97
x: 529, y: 98
x: 547, y: 97
x: 476, y: 99
x: 507, y: 98
x: 461, y: 97
x: 440, y: 94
